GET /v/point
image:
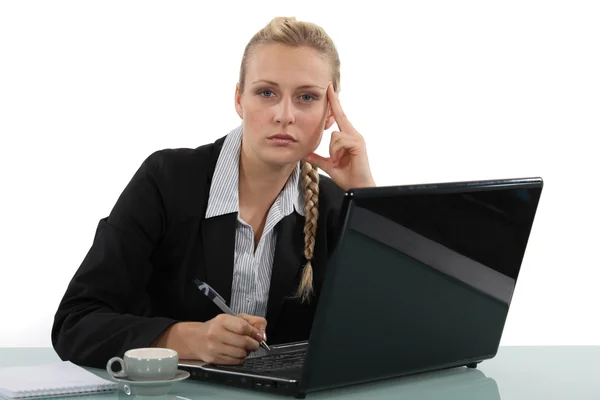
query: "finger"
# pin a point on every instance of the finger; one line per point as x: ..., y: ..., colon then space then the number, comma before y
x: 335, y: 137
x: 257, y: 322
x: 239, y: 341
x: 338, y: 113
x: 337, y: 156
x: 320, y: 162
x: 338, y: 138
x: 342, y: 146
x: 225, y: 358
x: 240, y: 326
x: 237, y: 324
x: 227, y: 350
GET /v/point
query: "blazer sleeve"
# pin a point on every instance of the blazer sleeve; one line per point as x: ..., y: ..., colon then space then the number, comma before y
x: 106, y: 309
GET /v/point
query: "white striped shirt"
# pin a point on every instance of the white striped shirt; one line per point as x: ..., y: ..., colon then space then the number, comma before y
x: 251, y: 270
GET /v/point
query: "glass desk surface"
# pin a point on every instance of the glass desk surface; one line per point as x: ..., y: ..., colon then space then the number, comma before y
x: 527, y: 372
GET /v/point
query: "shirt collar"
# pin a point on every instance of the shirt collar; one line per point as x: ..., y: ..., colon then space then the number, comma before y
x: 223, y: 196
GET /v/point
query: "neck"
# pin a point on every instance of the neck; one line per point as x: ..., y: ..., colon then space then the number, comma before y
x: 260, y: 183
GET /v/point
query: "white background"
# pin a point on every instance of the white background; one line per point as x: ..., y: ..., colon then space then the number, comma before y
x: 441, y: 91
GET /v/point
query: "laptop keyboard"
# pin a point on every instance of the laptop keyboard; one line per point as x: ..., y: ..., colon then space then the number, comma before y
x: 274, y: 362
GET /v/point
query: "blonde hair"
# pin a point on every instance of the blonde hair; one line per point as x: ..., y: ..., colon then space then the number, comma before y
x: 291, y: 32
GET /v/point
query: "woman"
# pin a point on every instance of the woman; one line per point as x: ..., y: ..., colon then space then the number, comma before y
x: 248, y: 214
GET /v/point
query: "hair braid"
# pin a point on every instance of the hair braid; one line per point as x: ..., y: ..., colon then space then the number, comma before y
x: 310, y: 184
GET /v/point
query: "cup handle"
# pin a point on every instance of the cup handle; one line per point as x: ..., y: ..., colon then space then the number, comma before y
x: 121, y: 373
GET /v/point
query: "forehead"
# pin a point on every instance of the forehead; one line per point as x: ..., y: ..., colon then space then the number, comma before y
x: 288, y: 65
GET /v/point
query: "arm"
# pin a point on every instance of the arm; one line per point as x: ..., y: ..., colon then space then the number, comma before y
x: 106, y: 309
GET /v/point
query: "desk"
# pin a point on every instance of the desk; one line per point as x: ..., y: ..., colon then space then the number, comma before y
x: 567, y: 372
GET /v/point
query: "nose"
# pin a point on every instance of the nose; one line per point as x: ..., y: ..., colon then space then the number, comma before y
x: 284, y: 112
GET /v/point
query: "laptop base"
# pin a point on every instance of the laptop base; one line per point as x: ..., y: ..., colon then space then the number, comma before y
x: 245, y: 382
x: 268, y: 385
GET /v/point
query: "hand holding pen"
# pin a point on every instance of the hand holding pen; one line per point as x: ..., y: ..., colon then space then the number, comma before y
x: 220, y: 302
x: 226, y: 339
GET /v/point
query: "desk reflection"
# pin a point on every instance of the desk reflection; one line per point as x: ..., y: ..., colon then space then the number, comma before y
x: 456, y: 383
x: 452, y: 384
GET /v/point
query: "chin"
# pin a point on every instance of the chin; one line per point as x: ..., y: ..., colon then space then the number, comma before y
x: 280, y: 158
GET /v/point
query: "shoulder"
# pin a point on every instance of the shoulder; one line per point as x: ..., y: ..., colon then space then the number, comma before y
x: 178, y: 176
x: 173, y: 162
x: 330, y: 194
x: 330, y: 189
x: 331, y: 199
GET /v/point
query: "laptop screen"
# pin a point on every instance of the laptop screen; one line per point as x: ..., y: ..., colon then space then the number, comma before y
x: 465, y: 233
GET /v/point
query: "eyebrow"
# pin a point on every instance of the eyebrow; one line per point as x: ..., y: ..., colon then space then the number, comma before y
x: 300, y: 87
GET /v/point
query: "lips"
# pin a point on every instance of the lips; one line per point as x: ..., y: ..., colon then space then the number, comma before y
x: 282, y: 136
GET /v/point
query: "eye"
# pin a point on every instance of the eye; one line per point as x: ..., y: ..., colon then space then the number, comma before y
x: 308, y: 97
x: 265, y: 93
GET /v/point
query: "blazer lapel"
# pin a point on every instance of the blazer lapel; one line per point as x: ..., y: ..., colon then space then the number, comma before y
x: 218, y: 236
x: 287, y: 262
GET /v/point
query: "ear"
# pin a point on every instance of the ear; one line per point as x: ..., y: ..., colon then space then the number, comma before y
x: 238, y: 101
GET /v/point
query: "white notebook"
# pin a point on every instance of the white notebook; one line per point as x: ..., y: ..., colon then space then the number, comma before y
x: 56, y: 379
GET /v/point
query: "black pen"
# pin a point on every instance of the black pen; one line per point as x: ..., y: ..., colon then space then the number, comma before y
x: 220, y: 302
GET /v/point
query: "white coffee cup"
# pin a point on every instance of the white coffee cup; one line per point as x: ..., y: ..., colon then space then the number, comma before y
x: 146, y: 364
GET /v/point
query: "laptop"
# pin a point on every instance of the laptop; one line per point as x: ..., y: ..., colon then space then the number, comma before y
x: 421, y: 280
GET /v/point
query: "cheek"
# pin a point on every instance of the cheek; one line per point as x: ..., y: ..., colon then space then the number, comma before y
x: 254, y: 114
x: 310, y: 122
x: 313, y: 131
x: 313, y: 117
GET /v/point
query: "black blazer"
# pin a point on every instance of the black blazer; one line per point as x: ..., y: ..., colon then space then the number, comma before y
x: 137, y: 278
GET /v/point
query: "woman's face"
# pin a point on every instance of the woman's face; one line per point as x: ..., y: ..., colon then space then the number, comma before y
x: 284, y: 96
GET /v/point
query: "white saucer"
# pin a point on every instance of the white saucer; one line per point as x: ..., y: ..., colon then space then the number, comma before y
x: 151, y: 388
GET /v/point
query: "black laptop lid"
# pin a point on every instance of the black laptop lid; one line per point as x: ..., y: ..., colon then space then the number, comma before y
x: 422, y: 279
x: 476, y: 232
